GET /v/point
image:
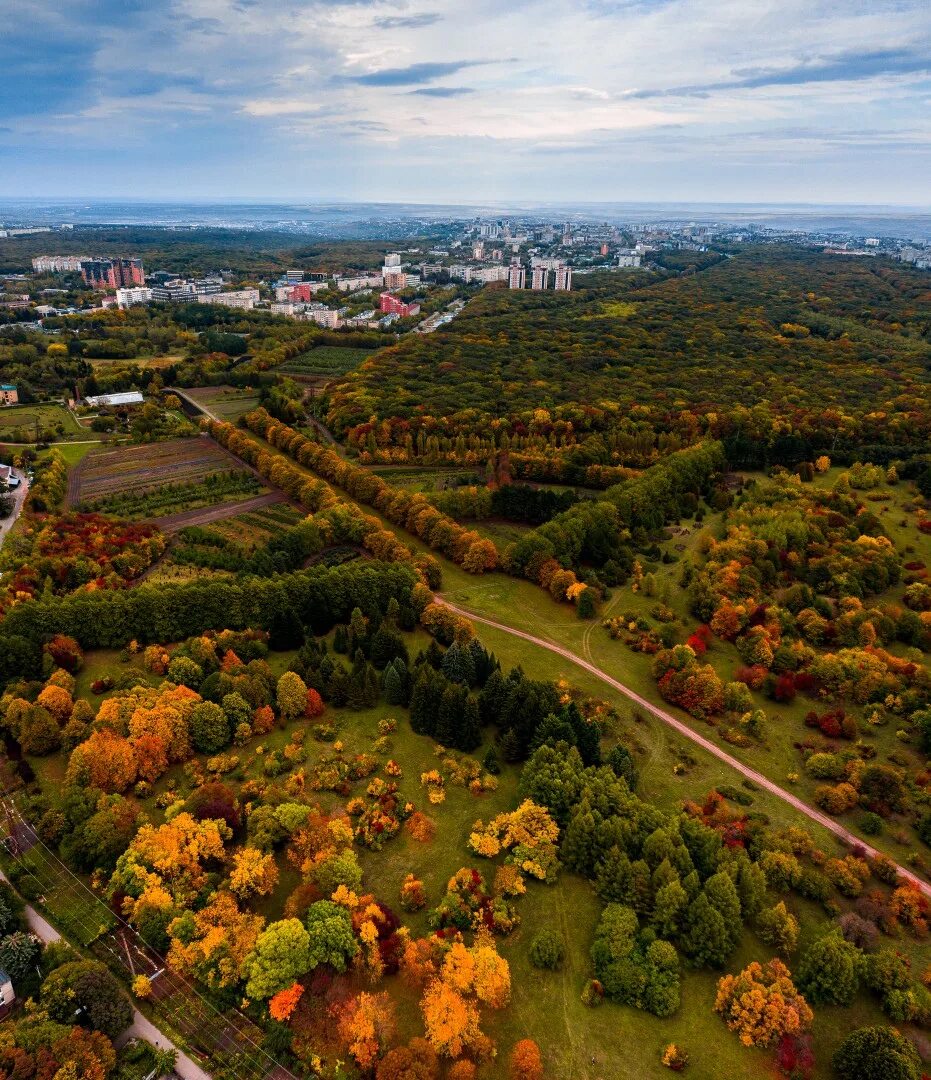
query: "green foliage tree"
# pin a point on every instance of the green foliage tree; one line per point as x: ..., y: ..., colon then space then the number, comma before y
x: 281, y: 955
x: 871, y: 1053
x: 828, y: 971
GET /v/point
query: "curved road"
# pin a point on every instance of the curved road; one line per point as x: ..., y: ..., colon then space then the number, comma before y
x: 706, y: 744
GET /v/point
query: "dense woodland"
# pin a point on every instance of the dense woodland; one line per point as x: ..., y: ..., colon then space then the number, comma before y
x: 782, y: 353
x: 396, y: 852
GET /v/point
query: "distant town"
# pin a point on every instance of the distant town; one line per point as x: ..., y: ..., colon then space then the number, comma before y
x: 537, y: 256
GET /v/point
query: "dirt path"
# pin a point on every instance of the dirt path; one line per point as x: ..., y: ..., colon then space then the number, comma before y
x: 207, y: 514
x: 199, y: 405
x: 846, y: 837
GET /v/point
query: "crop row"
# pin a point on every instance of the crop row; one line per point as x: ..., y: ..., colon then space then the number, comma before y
x: 212, y: 489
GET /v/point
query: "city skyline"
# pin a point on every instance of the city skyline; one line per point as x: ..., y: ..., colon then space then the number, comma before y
x: 671, y: 101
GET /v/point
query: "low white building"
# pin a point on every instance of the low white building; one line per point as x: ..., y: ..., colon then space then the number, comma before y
x: 128, y: 397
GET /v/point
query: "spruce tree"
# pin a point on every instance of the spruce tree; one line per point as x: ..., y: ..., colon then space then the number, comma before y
x: 470, y: 736
x: 393, y: 685
x: 422, y: 705
x: 622, y: 763
x: 722, y: 894
x: 641, y: 887
x: 451, y: 713
x: 338, y: 687
x: 705, y: 938
x: 452, y: 665
x: 669, y: 907
x: 613, y: 880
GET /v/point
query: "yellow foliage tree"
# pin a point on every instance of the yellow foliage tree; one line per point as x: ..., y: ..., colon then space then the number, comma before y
x: 253, y: 872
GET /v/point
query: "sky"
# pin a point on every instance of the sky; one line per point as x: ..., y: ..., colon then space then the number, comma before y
x: 452, y: 101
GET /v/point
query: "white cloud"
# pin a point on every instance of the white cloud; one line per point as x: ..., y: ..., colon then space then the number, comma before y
x: 539, y: 78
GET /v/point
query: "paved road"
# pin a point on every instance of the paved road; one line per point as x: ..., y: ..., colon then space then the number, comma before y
x: 19, y: 499
x: 140, y: 1028
x: 706, y: 744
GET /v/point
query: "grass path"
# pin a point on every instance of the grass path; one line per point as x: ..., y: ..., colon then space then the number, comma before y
x: 845, y: 836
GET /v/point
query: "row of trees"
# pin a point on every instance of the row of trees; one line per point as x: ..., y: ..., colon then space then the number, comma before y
x: 321, y: 596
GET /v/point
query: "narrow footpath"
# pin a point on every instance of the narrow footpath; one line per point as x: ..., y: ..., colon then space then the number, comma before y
x: 687, y: 732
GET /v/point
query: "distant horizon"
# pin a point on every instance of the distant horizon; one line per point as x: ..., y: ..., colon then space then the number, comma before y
x: 516, y: 203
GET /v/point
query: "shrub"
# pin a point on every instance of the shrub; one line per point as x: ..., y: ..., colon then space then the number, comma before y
x: 546, y: 950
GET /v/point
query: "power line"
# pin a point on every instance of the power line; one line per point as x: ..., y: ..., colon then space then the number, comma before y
x: 193, y: 1010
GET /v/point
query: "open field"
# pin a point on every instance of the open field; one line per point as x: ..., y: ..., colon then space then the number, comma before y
x: 426, y: 480
x: 128, y: 472
x: 19, y: 423
x: 226, y: 402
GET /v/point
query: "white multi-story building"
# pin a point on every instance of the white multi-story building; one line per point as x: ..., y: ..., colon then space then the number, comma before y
x: 327, y: 317
x: 563, y: 279
x: 294, y: 277
x: 489, y: 274
x: 628, y: 259
x: 458, y: 272
x: 242, y: 298
x: 57, y: 264
x: 392, y: 259
x: 126, y: 298
x: 350, y: 284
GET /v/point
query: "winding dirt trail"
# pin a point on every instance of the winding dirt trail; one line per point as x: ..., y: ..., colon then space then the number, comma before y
x: 687, y: 732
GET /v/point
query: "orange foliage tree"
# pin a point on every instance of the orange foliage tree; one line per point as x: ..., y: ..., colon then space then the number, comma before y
x: 525, y: 1062
x: 761, y: 1004
x: 282, y: 1005
x: 366, y: 1024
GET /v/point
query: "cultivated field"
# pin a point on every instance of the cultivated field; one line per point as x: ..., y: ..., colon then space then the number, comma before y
x: 328, y: 362
x: 126, y: 471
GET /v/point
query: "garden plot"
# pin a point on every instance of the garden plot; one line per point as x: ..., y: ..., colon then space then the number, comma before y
x: 173, y: 473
